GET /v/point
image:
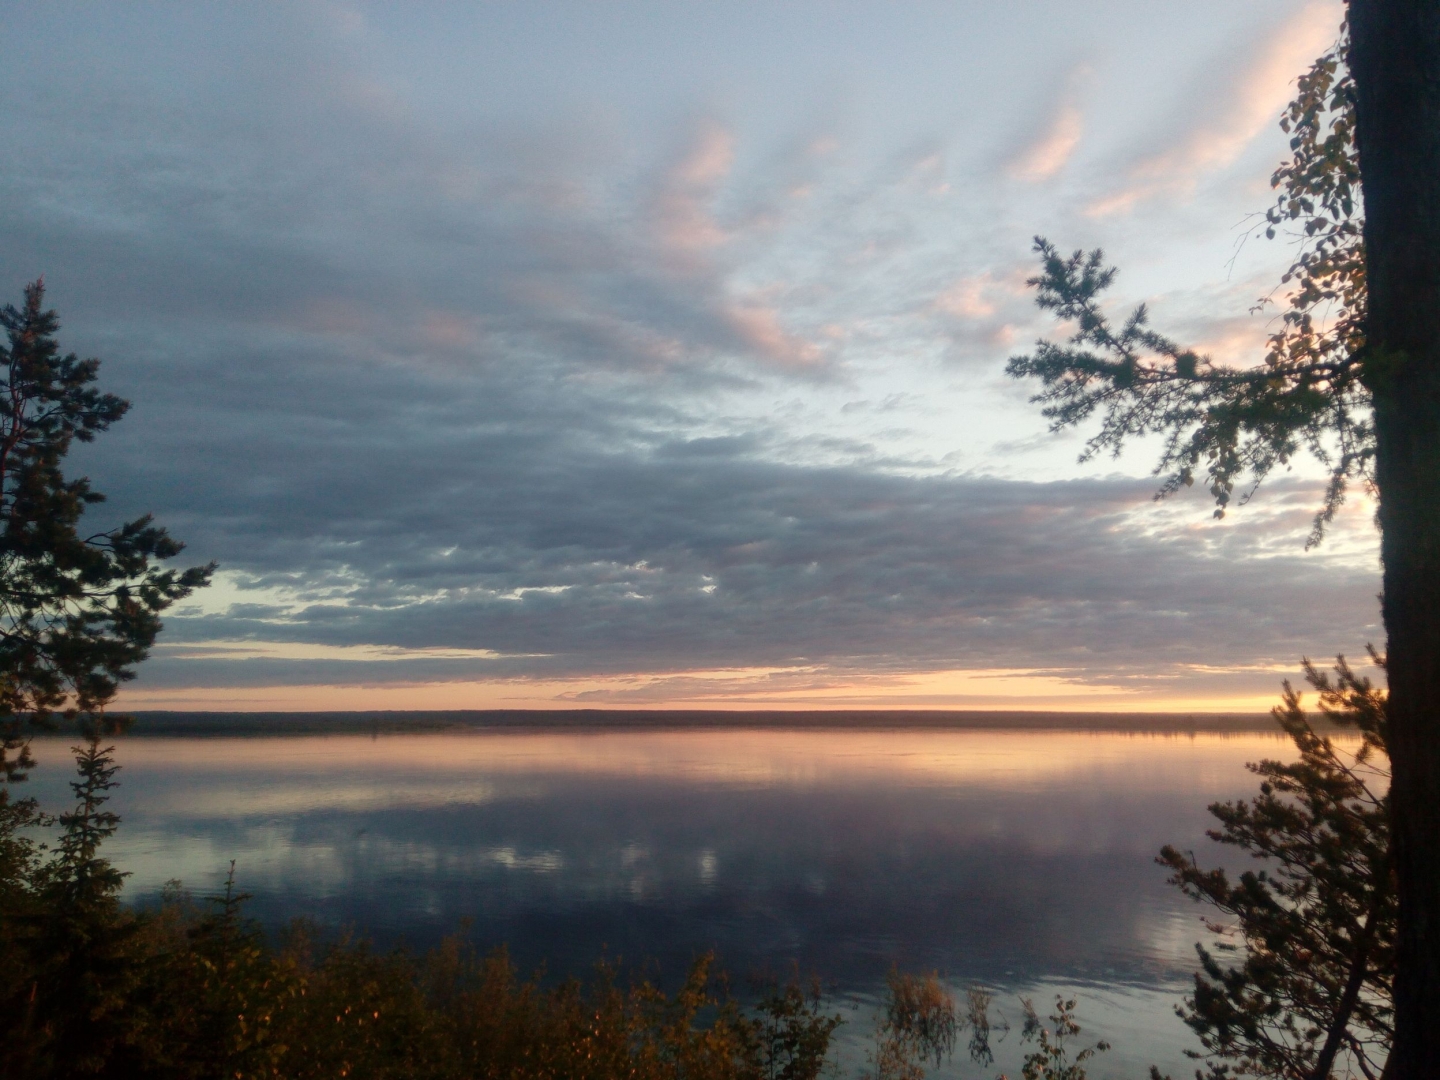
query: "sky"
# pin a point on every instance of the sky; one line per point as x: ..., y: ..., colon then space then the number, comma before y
x: 558, y: 355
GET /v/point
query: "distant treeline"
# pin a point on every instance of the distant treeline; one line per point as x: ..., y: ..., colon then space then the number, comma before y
x: 399, y: 721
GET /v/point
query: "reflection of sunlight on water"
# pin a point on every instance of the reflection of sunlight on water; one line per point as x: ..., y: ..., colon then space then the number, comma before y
x: 448, y: 767
x: 252, y: 791
x: 1173, y: 933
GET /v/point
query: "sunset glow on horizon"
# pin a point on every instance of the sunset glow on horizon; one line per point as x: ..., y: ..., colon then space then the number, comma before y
x: 762, y: 689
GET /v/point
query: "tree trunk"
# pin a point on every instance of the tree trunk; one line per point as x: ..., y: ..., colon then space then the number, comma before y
x: 1395, y: 59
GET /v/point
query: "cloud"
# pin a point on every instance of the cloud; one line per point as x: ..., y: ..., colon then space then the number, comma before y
x: 979, y: 296
x: 981, y: 312
x: 967, y: 297
x: 1231, y: 111
x: 532, y: 406
x: 1052, y: 146
x: 1049, y: 154
x: 758, y: 325
x: 683, y: 209
x: 243, y: 649
x: 554, y: 564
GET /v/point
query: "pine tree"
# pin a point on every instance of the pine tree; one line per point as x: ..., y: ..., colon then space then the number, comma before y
x: 1395, y: 60
x: 76, y: 1014
x: 1299, y: 981
x: 84, y: 880
x: 77, y: 612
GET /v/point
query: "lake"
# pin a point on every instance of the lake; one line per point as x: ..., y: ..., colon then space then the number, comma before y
x: 1022, y: 860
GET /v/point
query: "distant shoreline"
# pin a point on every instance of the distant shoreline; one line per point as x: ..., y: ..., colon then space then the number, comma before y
x: 394, y: 722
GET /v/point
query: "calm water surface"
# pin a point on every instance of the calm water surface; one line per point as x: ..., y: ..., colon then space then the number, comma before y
x: 1023, y: 860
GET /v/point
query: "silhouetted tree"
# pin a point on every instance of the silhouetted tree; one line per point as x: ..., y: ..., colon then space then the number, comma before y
x: 1311, y: 930
x: 1236, y: 423
x: 75, y: 1011
x: 1361, y: 393
x: 1395, y: 59
x: 77, y: 612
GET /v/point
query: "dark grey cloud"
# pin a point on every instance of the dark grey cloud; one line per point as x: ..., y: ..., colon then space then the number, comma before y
x: 683, y: 557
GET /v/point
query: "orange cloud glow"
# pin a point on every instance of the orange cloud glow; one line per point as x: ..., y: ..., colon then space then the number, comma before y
x: 1048, y: 155
x: 797, y: 688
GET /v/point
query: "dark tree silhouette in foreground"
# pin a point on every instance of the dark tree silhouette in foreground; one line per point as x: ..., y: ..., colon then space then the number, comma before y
x: 1361, y: 392
x: 1395, y: 58
x: 1236, y: 425
x: 1298, y: 982
x: 77, y: 612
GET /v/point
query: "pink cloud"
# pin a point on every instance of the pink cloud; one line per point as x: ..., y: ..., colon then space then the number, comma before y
x: 1258, y: 96
x: 337, y: 316
x: 1047, y: 155
x: 967, y: 297
x: 981, y: 295
x: 682, y: 212
x: 758, y: 325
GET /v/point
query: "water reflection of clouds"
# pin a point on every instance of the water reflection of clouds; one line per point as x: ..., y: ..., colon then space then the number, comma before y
x: 276, y: 857
x: 447, y: 767
x: 325, y: 793
x: 1008, y: 857
x: 626, y: 812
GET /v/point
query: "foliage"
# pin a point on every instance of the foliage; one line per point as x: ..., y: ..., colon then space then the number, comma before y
x: 20, y: 866
x: 1317, y: 205
x: 77, y: 613
x: 1051, y: 1059
x: 1310, y: 936
x: 75, y: 952
x: 919, y: 1025
x: 789, y: 1032
x: 1309, y: 394
x: 83, y: 878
